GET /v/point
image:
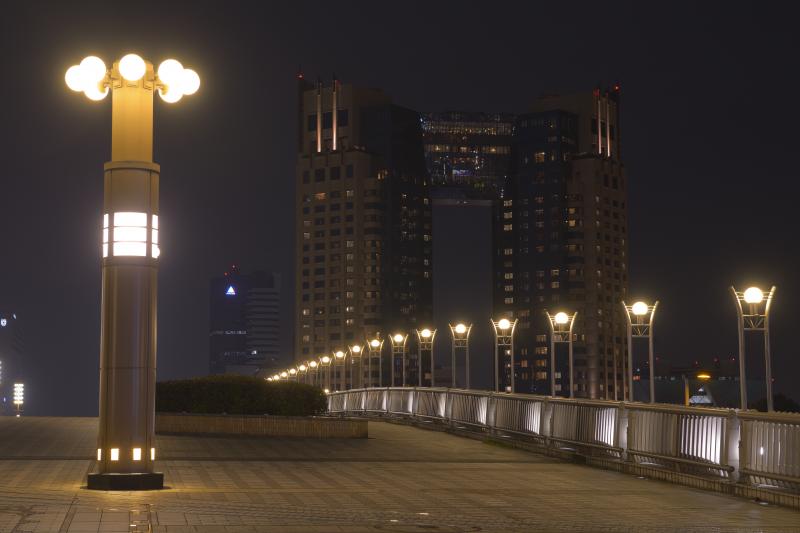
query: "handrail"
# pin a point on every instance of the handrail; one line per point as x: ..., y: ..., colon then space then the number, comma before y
x: 747, y: 447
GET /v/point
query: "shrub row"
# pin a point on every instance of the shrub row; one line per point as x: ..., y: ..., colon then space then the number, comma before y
x: 240, y: 395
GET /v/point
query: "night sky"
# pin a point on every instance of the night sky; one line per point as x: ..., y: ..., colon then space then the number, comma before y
x: 709, y: 124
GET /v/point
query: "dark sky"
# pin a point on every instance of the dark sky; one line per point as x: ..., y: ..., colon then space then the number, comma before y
x: 710, y: 134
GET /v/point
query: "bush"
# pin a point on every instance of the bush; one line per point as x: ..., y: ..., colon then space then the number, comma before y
x: 240, y: 395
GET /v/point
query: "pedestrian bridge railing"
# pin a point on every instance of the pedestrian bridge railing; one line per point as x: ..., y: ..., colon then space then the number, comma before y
x: 746, y: 447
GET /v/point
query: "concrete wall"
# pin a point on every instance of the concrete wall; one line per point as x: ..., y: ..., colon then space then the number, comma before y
x: 266, y: 426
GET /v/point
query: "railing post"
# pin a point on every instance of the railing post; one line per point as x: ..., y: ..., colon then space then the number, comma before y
x: 491, y: 412
x: 733, y: 444
x: 622, y: 430
x: 547, y: 421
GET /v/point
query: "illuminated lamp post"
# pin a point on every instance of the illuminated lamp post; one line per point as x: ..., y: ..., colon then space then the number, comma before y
x: 640, y: 318
x: 503, y: 341
x: 339, y: 358
x: 425, y: 338
x: 754, y: 316
x: 130, y: 251
x: 19, y: 397
x: 356, y: 351
x: 302, y: 373
x: 561, y: 325
x: 702, y: 376
x: 293, y: 374
x: 313, y: 367
x: 399, y: 351
x: 325, y: 363
x: 375, y: 349
x: 460, y: 333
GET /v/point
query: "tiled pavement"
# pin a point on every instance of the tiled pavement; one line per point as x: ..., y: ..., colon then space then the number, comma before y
x: 402, y: 479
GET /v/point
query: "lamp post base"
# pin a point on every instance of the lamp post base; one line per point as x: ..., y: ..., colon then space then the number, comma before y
x: 143, y: 481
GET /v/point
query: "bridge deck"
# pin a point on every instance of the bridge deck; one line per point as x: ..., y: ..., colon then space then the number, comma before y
x: 400, y: 479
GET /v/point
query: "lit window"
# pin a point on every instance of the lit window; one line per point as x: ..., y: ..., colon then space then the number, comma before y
x: 99, y: 454
x: 115, y: 454
x: 152, y: 454
x: 137, y: 454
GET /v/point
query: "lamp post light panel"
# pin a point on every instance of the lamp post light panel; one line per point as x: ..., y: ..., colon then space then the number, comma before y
x: 19, y: 393
x: 753, y: 295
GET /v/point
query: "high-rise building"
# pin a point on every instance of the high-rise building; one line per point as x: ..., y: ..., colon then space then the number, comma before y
x: 467, y: 153
x: 561, y: 242
x: 244, y: 322
x: 363, y: 219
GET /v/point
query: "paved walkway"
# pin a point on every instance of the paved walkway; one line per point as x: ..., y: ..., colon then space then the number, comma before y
x: 401, y: 479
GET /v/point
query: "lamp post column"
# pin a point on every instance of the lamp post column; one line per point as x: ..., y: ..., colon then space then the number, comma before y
x: 126, y: 439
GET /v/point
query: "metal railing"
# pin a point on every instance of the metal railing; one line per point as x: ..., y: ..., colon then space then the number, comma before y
x: 761, y: 449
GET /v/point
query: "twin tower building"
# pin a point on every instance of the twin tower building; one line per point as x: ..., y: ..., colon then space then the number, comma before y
x: 369, y: 175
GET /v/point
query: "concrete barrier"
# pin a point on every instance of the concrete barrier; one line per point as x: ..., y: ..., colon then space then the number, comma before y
x: 261, y: 425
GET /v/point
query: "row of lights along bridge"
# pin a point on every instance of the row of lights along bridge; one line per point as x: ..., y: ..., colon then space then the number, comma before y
x: 752, y: 316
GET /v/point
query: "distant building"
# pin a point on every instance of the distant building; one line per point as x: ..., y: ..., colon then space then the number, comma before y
x: 244, y: 322
x: 11, y: 358
x: 467, y: 154
x: 561, y: 241
x: 363, y: 219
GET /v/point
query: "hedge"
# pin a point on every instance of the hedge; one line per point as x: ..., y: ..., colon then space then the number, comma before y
x: 240, y: 395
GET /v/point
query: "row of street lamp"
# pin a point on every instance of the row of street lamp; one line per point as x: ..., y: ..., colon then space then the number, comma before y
x: 753, y: 316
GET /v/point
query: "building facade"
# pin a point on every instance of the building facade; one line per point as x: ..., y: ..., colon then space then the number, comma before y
x: 467, y: 154
x: 561, y: 243
x: 244, y: 322
x: 363, y: 219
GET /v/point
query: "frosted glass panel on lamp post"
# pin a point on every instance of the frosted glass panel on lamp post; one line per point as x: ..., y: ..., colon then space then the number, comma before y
x: 130, y: 250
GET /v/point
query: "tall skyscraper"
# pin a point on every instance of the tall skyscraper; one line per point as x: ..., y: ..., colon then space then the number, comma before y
x: 363, y: 219
x: 244, y: 322
x: 561, y: 241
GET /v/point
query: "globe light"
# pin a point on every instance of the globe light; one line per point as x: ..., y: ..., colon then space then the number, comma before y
x: 339, y: 354
x: 302, y: 368
x: 276, y: 377
x: 170, y: 96
x: 374, y: 343
x: 93, y: 70
x: 425, y: 333
x: 753, y: 295
x: 325, y: 359
x: 461, y: 329
x: 356, y: 349
x: 190, y: 82
x: 327, y: 391
x: 561, y: 318
x: 74, y: 78
x: 132, y: 67
x: 292, y: 371
x: 284, y: 374
x: 503, y: 323
x: 398, y: 337
x: 95, y: 93
x: 312, y: 364
x: 170, y: 72
x: 639, y: 308
x: 269, y: 379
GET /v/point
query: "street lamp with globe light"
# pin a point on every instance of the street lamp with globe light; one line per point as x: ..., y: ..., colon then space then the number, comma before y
x: 754, y: 316
x: 129, y: 257
x: 425, y: 338
x: 460, y: 337
x: 398, y: 354
x: 504, y: 342
x: 640, y: 320
x: 561, y: 326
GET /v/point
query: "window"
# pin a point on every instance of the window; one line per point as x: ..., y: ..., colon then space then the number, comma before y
x: 319, y: 175
x: 336, y: 173
x: 348, y: 171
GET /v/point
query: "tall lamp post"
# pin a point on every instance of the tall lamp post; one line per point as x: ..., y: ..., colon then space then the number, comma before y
x: 340, y: 367
x: 302, y: 373
x: 375, y: 349
x: 19, y: 397
x: 503, y: 341
x: 130, y: 251
x: 561, y: 325
x: 640, y: 318
x: 325, y: 363
x: 355, y: 357
x: 460, y: 333
x: 399, y: 351
x: 425, y: 338
x: 754, y: 316
x: 313, y: 367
